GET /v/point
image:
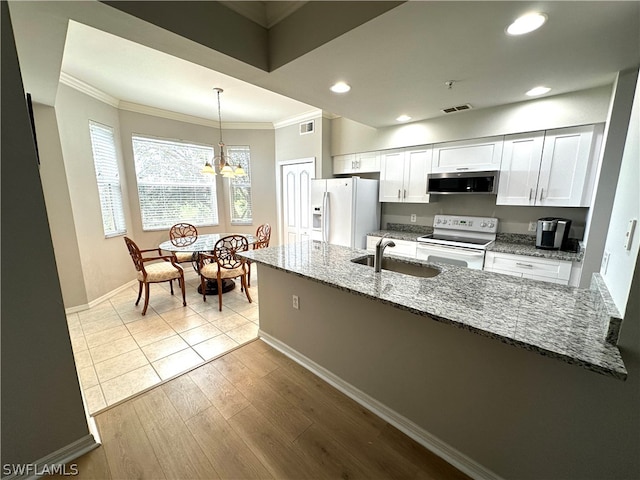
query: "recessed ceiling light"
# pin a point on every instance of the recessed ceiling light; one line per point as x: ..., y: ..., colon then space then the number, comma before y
x: 527, y: 23
x: 340, y: 87
x: 537, y: 91
x: 403, y: 118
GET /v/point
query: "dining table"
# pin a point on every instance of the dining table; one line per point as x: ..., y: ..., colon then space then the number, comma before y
x: 204, y: 243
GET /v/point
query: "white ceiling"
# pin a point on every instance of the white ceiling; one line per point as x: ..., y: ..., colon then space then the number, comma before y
x: 396, y: 63
x: 133, y: 73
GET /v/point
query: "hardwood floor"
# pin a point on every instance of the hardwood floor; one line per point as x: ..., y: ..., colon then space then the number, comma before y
x: 252, y: 413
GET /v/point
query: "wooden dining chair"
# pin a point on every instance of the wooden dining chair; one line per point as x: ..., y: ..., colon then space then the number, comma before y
x: 223, y: 263
x: 181, y: 235
x: 263, y: 235
x: 166, y: 270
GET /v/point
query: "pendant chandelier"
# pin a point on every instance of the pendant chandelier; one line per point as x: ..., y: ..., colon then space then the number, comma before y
x: 224, y: 168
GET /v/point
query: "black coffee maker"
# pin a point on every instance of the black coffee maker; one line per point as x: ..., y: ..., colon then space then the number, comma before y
x: 552, y: 233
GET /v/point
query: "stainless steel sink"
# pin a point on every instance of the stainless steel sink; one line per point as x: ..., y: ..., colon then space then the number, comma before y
x: 399, y: 266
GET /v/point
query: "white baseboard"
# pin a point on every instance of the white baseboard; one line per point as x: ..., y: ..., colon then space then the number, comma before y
x: 97, y: 301
x: 420, y: 435
x: 58, y: 459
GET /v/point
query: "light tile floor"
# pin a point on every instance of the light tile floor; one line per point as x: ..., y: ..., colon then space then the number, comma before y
x: 120, y: 353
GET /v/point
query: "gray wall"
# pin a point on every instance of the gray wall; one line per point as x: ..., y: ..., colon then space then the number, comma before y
x: 57, y: 195
x: 576, y: 108
x: 41, y: 404
x: 262, y: 145
x: 106, y: 264
x: 101, y: 265
x: 583, y: 107
x: 290, y: 145
x: 517, y: 413
x: 626, y: 206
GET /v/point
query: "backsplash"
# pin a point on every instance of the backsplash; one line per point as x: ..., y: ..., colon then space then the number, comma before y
x: 410, y: 228
x: 511, y: 219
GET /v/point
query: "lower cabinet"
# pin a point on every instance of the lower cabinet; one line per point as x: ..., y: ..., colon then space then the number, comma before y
x: 534, y: 268
x: 403, y: 248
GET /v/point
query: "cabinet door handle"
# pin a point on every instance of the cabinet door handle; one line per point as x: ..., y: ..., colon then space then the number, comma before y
x: 462, y: 168
x: 405, y: 194
x: 530, y: 193
x: 528, y: 265
x: 398, y: 193
x: 541, y: 193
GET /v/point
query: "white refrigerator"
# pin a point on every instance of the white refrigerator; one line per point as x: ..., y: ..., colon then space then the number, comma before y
x: 344, y: 210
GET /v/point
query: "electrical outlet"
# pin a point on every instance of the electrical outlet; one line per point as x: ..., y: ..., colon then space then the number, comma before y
x: 414, y: 218
x: 296, y: 302
x: 532, y: 226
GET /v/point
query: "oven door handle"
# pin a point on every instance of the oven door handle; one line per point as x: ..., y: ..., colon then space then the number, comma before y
x: 458, y: 250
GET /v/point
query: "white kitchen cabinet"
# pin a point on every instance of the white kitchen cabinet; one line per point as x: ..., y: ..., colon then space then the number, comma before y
x: 520, y: 168
x: 403, y: 248
x: 554, y: 168
x: 473, y: 155
x: 403, y: 175
x: 534, y: 268
x: 356, y: 163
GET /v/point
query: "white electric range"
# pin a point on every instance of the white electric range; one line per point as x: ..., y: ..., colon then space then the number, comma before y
x: 458, y: 240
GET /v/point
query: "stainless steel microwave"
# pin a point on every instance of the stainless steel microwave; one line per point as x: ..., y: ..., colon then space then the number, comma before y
x: 462, y: 182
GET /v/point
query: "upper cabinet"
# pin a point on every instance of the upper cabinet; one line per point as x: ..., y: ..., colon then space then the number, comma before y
x: 403, y: 175
x: 356, y: 163
x: 468, y: 155
x: 553, y: 168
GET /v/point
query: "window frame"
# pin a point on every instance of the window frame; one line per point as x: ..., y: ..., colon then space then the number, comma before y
x: 105, y: 162
x: 239, y: 183
x: 198, y: 180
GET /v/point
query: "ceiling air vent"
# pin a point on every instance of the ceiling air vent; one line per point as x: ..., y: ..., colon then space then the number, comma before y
x: 307, y: 127
x: 456, y: 109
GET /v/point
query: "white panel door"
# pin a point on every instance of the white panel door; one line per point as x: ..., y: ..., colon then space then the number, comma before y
x: 565, y: 163
x: 340, y: 214
x: 296, y: 201
x: 519, y: 169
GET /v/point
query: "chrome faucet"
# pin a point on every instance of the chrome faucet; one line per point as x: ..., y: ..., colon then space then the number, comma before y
x: 380, y: 246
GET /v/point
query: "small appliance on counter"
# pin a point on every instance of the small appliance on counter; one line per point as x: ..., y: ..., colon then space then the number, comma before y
x: 552, y: 233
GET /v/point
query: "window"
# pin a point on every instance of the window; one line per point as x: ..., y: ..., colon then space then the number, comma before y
x: 108, y: 178
x: 170, y: 186
x: 240, y: 187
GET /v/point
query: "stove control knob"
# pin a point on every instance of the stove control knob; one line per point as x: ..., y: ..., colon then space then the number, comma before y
x: 483, y: 224
x: 491, y: 224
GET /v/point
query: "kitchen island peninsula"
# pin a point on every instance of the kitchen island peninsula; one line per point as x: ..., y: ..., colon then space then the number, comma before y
x: 561, y: 322
x: 455, y: 359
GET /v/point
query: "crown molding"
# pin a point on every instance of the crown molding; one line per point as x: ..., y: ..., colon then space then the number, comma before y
x: 93, y: 92
x: 87, y: 89
x: 310, y: 115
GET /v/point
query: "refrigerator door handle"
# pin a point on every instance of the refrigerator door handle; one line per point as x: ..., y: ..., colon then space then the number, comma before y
x: 325, y: 217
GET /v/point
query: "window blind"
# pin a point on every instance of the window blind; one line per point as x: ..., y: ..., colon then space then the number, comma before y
x: 240, y: 187
x: 171, y: 187
x: 105, y: 161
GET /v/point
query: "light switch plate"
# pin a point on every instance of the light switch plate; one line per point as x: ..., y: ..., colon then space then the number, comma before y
x: 414, y: 218
x: 532, y: 226
x: 628, y: 237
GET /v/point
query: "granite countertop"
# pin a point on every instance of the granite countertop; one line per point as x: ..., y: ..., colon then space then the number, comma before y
x: 513, y: 243
x: 579, y: 326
